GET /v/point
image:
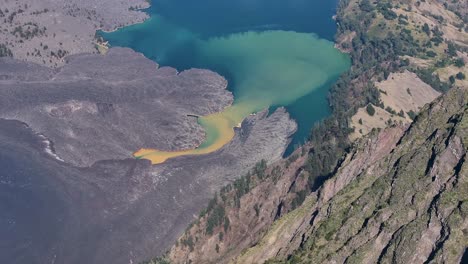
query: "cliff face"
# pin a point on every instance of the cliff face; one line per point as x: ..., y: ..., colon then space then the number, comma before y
x: 399, y: 196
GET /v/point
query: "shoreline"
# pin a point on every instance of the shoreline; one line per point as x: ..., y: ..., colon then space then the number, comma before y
x: 221, y: 129
x: 141, y: 10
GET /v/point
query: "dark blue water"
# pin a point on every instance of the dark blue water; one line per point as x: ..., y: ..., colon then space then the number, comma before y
x: 221, y: 17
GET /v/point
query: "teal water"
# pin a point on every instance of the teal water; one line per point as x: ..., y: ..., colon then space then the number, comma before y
x: 273, y: 53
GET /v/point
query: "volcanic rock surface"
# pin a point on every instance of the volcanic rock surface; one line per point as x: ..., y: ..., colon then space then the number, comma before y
x: 106, y: 107
x: 71, y: 190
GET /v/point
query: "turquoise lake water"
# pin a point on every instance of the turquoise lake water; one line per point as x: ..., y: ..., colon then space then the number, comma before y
x: 273, y: 53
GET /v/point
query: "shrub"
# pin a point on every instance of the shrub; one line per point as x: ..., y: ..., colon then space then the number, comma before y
x: 426, y: 29
x: 158, y: 260
x: 366, y: 6
x: 370, y: 110
x: 452, y: 50
x: 431, y: 54
x: 5, y: 51
x: 387, y: 12
x: 226, y: 224
x: 460, y: 76
x: 459, y: 63
x: 411, y: 114
x: 299, y: 199
x: 260, y: 168
x: 452, y: 79
x: 215, y: 219
x: 390, y: 110
x: 401, y: 113
x: 188, y: 242
x: 427, y: 76
x: 257, y: 210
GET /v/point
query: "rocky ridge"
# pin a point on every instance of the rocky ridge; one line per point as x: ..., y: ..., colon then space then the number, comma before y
x: 398, y: 196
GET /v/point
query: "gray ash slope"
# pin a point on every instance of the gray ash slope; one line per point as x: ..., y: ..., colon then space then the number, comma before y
x: 92, y: 202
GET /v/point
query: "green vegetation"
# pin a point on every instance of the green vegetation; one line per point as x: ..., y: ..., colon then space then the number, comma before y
x: 433, y: 80
x: 5, y: 51
x: 230, y: 195
x: 226, y: 224
x: 28, y: 31
x: 299, y: 199
x: 459, y: 63
x: 386, y: 10
x: 188, y: 242
x: 359, y: 208
x: 451, y: 50
x: 370, y: 110
x: 375, y: 51
x: 431, y: 53
x: 366, y: 6
x: 460, y: 76
x: 426, y: 29
x: 257, y: 210
x: 158, y: 260
x: 260, y: 168
x: 215, y: 219
x: 411, y: 114
x: 452, y: 79
x: 390, y: 110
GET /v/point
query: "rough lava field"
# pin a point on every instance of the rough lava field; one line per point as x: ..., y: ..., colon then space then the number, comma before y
x: 106, y: 107
x: 70, y: 120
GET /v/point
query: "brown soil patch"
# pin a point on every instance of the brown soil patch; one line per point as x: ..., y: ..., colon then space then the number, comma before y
x: 378, y: 120
x: 401, y: 91
x: 405, y: 91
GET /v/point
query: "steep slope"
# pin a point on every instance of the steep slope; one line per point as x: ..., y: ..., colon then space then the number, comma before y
x: 399, y: 195
x: 409, y: 207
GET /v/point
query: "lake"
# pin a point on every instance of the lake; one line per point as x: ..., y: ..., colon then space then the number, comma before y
x: 273, y: 53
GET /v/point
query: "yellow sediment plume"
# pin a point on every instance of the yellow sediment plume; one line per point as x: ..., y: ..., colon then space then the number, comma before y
x: 270, y: 68
x: 219, y: 131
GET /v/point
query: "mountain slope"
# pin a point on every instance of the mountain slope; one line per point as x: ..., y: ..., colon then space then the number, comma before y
x: 399, y: 196
x: 409, y: 207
